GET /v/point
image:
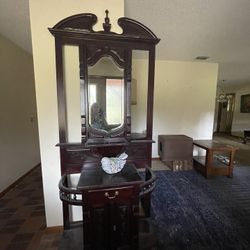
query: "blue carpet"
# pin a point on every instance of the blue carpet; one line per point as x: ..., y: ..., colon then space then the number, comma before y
x: 191, y: 212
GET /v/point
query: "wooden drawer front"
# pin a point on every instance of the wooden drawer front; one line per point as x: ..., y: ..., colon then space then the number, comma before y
x: 140, y: 163
x: 77, y: 167
x: 119, y: 195
x: 138, y: 151
x: 80, y: 156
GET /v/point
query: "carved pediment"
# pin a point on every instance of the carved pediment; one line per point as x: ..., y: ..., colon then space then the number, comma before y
x: 83, y: 23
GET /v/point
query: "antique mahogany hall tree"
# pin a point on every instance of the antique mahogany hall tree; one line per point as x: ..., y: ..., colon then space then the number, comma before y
x: 109, y: 127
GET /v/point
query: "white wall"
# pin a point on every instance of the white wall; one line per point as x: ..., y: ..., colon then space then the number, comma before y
x: 241, y: 121
x: 46, y: 14
x: 19, y: 147
x: 184, y: 98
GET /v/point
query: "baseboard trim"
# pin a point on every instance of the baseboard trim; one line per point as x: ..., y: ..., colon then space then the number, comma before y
x: 156, y: 158
x: 52, y: 230
x: 6, y: 190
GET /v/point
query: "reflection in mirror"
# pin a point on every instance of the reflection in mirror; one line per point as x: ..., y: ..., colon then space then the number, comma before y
x: 105, y: 95
x: 139, y: 85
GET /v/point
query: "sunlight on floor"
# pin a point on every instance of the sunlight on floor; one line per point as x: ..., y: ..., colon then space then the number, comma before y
x: 159, y: 165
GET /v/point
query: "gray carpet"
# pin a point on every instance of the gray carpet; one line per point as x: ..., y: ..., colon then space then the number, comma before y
x: 191, y: 212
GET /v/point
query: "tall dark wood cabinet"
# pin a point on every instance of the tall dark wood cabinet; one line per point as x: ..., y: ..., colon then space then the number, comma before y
x: 105, y: 85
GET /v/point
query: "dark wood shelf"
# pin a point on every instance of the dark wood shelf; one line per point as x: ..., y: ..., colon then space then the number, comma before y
x: 106, y: 142
x: 215, y: 163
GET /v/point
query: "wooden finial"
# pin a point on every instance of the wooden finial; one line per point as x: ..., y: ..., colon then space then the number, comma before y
x: 106, y: 25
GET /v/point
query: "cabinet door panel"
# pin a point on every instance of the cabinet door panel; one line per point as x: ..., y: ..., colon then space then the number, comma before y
x: 112, y: 218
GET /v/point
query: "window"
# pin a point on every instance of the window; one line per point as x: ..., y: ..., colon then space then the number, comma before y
x: 114, y: 100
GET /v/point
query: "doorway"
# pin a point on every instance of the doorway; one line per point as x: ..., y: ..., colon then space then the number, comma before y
x: 225, y: 114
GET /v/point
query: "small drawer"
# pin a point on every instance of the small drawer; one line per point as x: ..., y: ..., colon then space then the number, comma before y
x: 118, y: 195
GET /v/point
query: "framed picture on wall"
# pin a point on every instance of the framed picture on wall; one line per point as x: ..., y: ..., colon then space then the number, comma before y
x: 245, y: 104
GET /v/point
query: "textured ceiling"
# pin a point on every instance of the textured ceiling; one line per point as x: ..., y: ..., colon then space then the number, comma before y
x: 187, y: 29
x: 15, y: 22
x: 218, y: 29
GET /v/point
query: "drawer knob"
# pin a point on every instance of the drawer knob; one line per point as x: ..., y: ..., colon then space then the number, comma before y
x: 111, y: 197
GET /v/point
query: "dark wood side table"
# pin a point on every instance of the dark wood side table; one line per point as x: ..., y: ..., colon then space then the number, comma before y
x: 218, y: 159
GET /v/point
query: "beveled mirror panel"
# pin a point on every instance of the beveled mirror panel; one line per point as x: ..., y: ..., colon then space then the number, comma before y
x: 139, y: 93
x: 72, y: 85
x: 105, y: 96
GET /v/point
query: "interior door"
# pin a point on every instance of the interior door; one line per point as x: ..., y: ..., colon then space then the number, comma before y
x: 225, y: 114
